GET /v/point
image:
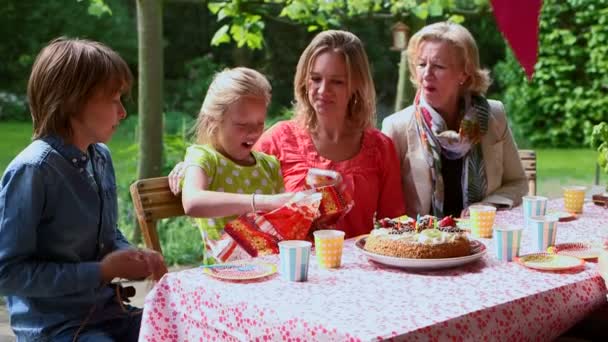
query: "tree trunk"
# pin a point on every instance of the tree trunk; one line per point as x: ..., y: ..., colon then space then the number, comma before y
x: 405, y: 90
x: 150, y: 92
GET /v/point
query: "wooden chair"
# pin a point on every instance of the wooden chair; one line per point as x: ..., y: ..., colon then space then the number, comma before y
x: 528, y: 160
x: 153, y: 200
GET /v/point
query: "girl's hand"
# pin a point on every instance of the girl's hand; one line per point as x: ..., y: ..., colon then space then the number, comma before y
x: 175, y: 177
x: 271, y: 202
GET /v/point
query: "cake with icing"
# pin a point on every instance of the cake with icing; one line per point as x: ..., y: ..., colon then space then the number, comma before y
x: 426, y: 238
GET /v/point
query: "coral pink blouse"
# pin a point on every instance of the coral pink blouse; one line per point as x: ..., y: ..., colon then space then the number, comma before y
x: 372, y: 176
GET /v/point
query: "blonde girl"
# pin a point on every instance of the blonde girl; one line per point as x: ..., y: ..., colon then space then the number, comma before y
x: 223, y: 177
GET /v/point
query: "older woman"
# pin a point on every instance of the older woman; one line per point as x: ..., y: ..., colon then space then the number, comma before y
x: 455, y: 146
x: 332, y: 129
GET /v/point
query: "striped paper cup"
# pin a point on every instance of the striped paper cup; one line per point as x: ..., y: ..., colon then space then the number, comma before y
x: 294, y: 255
x: 543, y: 230
x: 507, y: 240
x: 533, y: 206
x: 328, y: 247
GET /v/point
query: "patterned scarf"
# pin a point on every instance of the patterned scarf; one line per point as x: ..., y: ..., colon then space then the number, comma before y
x: 466, y: 143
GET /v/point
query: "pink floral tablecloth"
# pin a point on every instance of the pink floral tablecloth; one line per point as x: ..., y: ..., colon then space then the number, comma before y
x: 364, y: 301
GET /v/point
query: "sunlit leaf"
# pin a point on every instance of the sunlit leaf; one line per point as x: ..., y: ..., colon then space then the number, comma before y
x: 221, y: 36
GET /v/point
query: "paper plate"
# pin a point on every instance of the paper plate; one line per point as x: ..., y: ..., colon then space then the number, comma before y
x: 562, y: 216
x: 478, y: 250
x: 549, y: 262
x: 240, y: 270
x: 581, y: 250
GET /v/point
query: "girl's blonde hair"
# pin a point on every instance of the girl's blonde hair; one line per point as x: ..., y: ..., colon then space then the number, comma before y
x: 461, y: 39
x: 362, y: 104
x: 65, y: 75
x: 228, y: 87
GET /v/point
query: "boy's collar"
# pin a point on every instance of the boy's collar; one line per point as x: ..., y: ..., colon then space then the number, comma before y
x: 70, y: 152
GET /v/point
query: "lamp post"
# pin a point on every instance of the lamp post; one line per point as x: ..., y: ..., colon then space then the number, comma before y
x: 400, y: 33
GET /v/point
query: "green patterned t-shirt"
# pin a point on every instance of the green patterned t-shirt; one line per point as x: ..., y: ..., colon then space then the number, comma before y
x: 226, y: 176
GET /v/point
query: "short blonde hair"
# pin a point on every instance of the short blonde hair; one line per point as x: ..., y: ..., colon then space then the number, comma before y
x: 461, y: 39
x: 362, y: 104
x: 65, y: 75
x: 228, y: 87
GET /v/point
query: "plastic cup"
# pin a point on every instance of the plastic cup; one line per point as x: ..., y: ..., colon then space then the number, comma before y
x: 543, y: 230
x: 294, y: 255
x: 507, y: 240
x: 533, y: 206
x: 482, y: 220
x: 328, y: 247
x: 574, y: 197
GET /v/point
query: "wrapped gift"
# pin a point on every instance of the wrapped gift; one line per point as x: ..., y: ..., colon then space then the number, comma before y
x: 246, y: 233
x: 336, y: 199
x: 259, y: 233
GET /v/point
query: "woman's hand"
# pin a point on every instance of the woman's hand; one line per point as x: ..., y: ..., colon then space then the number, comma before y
x: 175, y: 177
x: 132, y: 264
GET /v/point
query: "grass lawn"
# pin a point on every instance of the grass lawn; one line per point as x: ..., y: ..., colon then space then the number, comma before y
x: 555, y: 167
x: 15, y: 136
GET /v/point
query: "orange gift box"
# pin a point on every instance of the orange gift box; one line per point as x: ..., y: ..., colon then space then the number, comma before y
x: 336, y: 200
x: 259, y: 233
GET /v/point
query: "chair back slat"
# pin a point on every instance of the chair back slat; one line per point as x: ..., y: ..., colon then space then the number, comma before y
x: 153, y: 200
x: 528, y: 161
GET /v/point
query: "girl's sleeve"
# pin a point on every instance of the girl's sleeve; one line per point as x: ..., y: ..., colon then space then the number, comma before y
x: 199, y: 156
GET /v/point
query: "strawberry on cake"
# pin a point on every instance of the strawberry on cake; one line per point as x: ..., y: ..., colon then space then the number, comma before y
x: 426, y: 238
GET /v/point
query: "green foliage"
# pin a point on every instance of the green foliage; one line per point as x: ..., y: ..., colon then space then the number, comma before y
x: 246, y: 26
x: 186, y: 94
x: 567, y: 95
x: 98, y: 8
x: 28, y: 25
x: 13, y: 107
x: 599, y: 141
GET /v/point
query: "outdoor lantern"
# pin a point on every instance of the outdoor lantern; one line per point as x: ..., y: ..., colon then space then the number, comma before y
x: 400, y: 36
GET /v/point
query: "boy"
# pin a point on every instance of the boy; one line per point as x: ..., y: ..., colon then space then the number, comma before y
x: 59, y: 243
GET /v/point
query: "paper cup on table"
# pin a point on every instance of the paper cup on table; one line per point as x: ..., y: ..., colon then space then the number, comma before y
x: 507, y: 240
x: 294, y: 255
x: 328, y: 247
x: 543, y: 230
x: 574, y: 197
x: 482, y: 220
x: 533, y: 206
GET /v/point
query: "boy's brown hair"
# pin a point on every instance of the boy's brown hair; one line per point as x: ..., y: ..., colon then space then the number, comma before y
x: 66, y: 73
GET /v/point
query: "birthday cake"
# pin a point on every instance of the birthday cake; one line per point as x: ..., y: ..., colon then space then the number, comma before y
x: 426, y: 238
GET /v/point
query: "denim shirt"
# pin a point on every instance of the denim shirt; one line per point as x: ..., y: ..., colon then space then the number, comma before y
x: 56, y: 224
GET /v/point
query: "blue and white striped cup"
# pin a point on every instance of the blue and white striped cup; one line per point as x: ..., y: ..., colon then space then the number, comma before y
x: 294, y: 255
x: 533, y: 206
x: 507, y: 240
x: 543, y: 230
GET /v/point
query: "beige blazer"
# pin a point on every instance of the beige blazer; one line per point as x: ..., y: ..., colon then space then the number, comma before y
x: 506, y: 178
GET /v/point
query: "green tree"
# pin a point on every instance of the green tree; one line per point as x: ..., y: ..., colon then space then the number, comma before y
x: 245, y: 21
x: 150, y: 104
x: 568, y: 93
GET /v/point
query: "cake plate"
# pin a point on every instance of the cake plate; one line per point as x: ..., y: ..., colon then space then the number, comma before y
x: 478, y: 250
